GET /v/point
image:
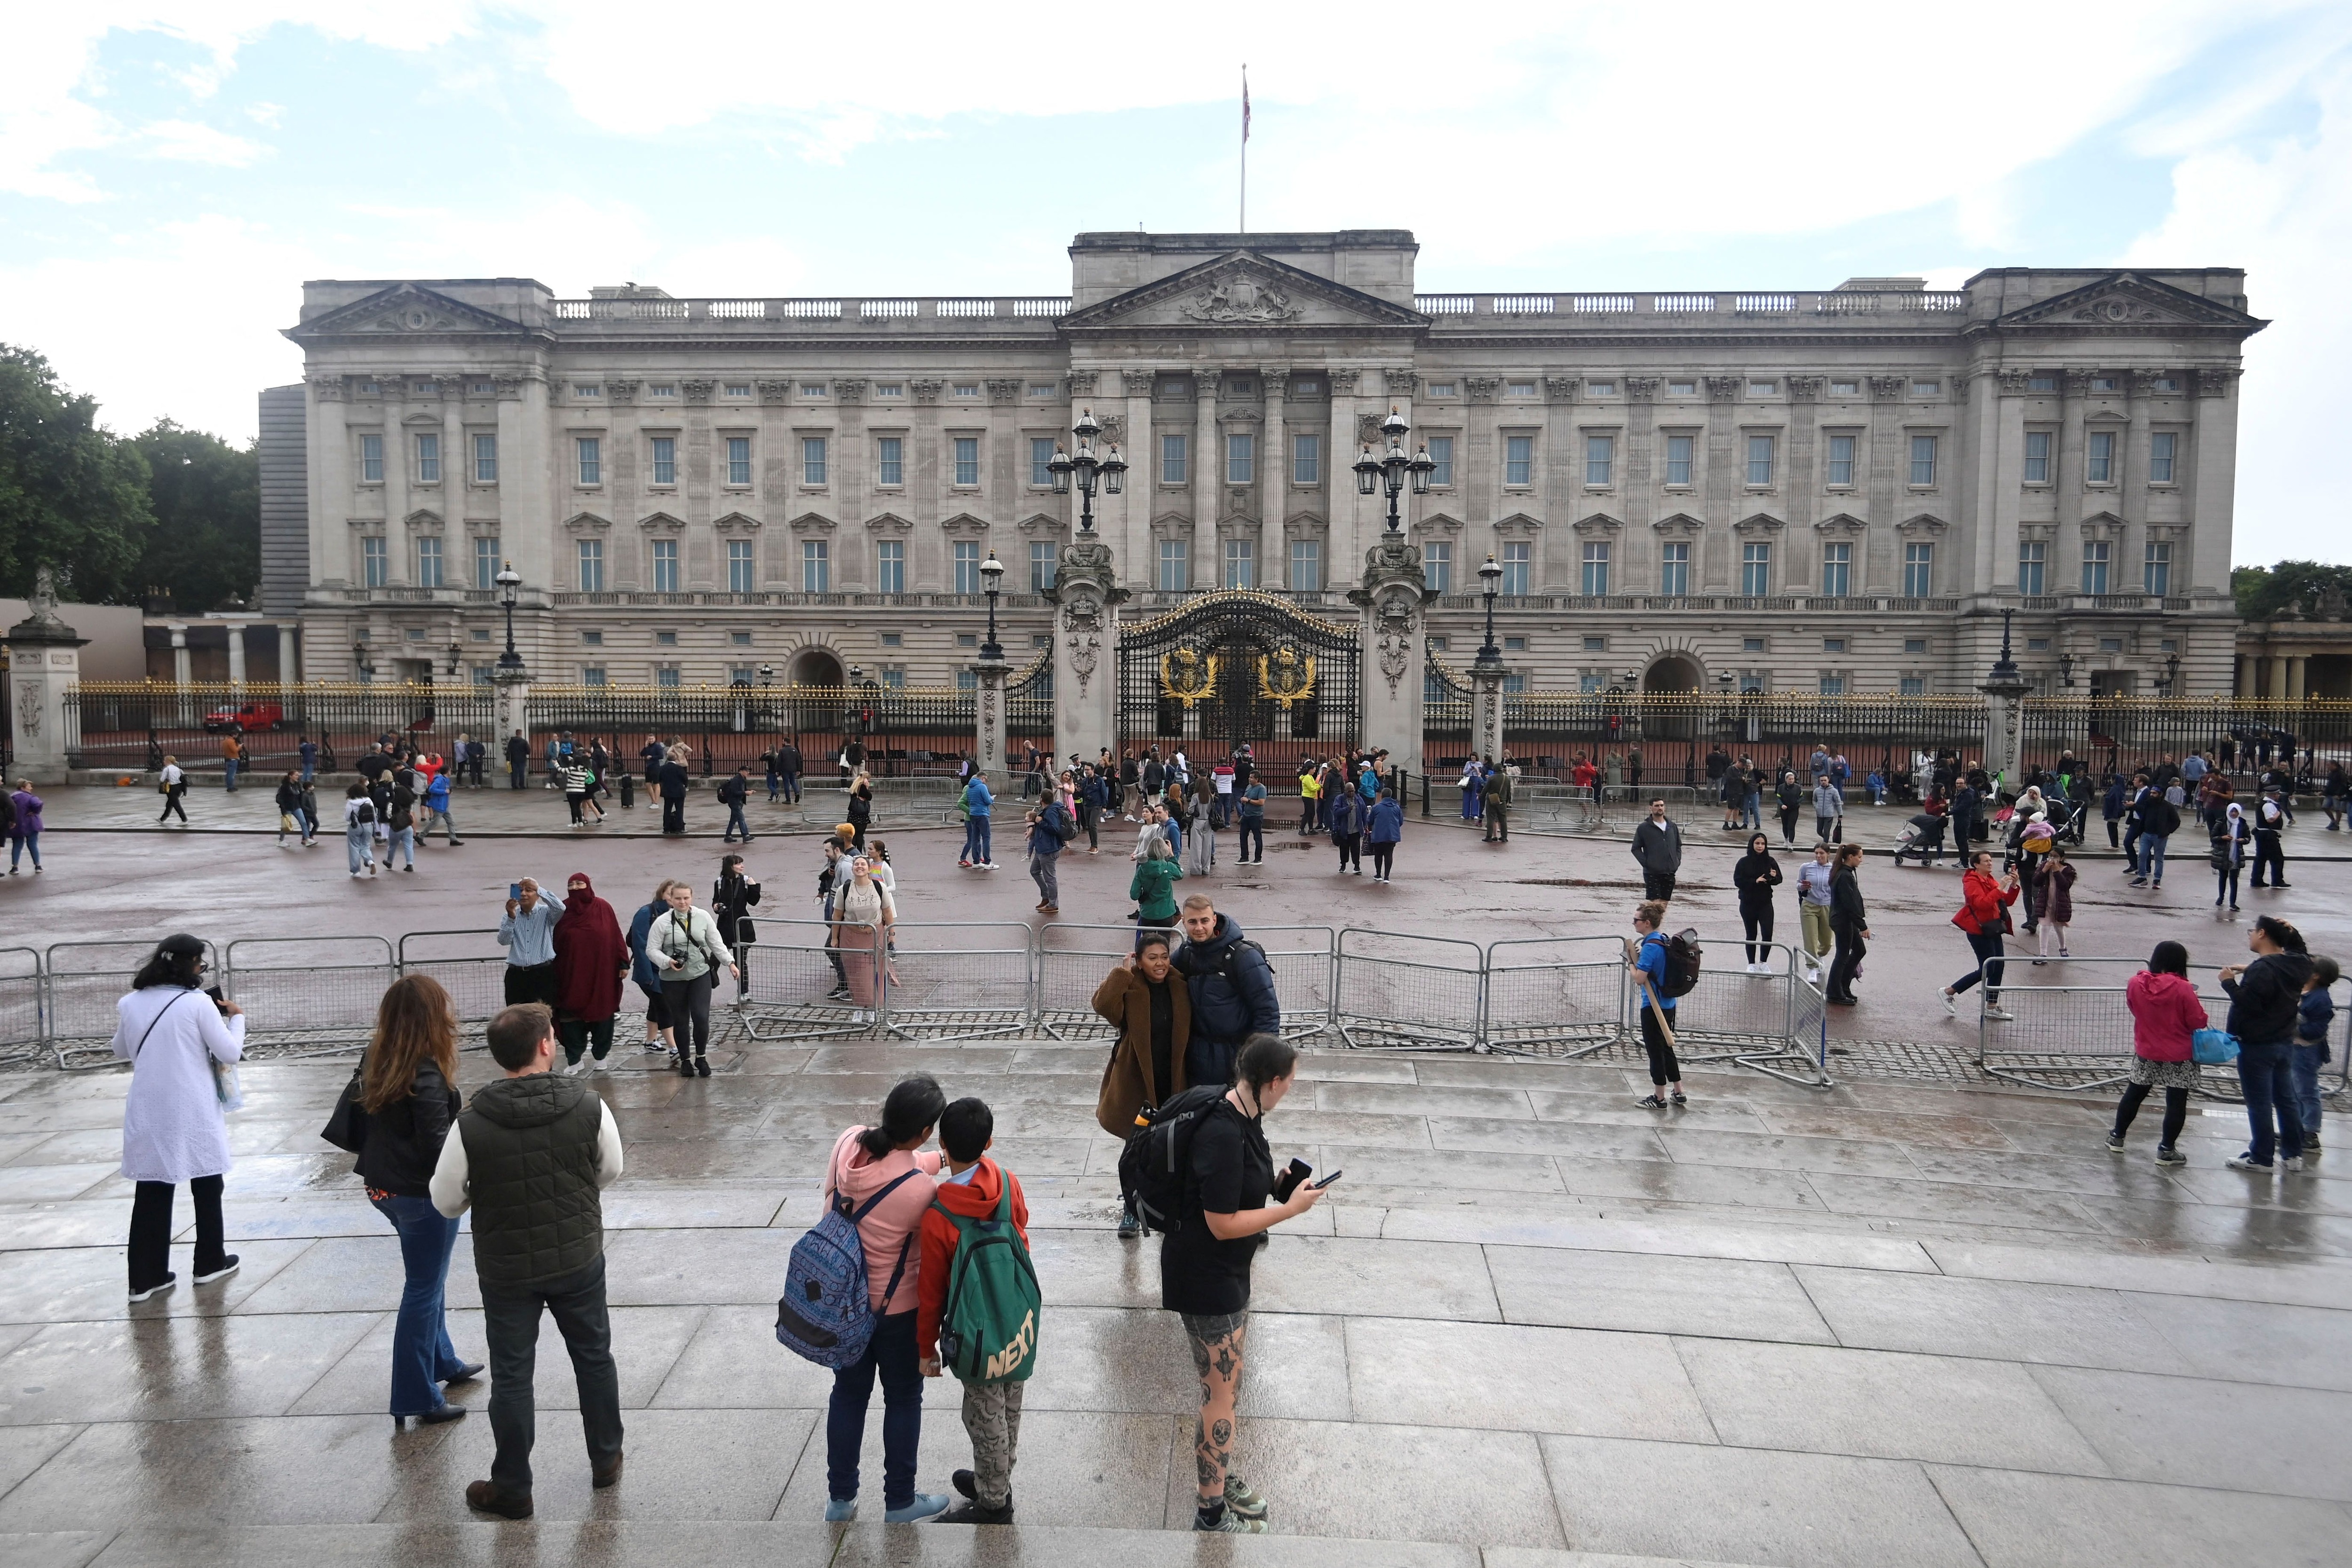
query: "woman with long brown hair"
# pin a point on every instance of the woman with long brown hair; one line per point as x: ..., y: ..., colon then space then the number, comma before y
x: 408, y: 1095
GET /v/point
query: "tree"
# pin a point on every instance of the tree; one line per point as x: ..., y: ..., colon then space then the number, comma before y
x: 72, y: 496
x: 2266, y: 593
x: 205, y: 544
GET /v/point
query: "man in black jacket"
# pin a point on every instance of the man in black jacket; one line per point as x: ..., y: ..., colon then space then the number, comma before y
x: 788, y: 772
x: 518, y: 760
x: 2264, y: 998
x: 670, y: 778
x: 734, y: 794
x: 1658, y: 851
x: 1232, y: 989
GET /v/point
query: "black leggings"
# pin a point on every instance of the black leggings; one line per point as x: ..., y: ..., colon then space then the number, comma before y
x: 689, y: 1002
x: 1383, y: 857
x: 1663, y: 1068
x: 1789, y: 823
x: 1759, y: 924
x: 172, y: 806
x: 151, y: 1229
x: 1351, y: 849
x: 2176, y: 1111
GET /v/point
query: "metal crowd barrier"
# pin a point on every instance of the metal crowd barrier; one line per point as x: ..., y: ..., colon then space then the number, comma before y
x: 308, y: 996
x: 1554, y: 996
x: 796, y: 983
x: 475, y: 978
x: 963, y: 981
x: 1072, y: 958
x: 84, y: 981
x: 1409, y: 992
x: 24, y: 1005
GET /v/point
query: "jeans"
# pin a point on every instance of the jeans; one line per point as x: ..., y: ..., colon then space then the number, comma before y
x: 151, y: 1229
x: 510, y: 1326
x: 2307, y: 1090
x: 18, y: 843
x: 2176, y: 1112
x: 736, y: 824
x: 2266, y: 1072
x: 228, y: 766
x: 309, y: 772
x: 1990, y: 965
x: 403, y: 843
x: 1253, y: 829
x: 448, y: 825
x: 2151, y: 860
x: 2131, y: 852
x: 890, y: 1352
x: 514, y: 774
x: 359, y: 839
x: 2226, y: 887
x: 1041, y: 872
x: 791, y: 782
x: 422, y: 1355
x: 1751, y: 811
x: 775, y: 785
x: 977, y: 845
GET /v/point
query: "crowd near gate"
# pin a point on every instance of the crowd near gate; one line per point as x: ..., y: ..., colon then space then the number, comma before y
x: 1240, y: 667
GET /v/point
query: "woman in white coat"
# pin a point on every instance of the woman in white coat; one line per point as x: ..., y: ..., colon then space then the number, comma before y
x: 174, y: 1034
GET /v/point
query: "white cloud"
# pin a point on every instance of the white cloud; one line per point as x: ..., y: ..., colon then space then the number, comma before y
x: 186, y: 142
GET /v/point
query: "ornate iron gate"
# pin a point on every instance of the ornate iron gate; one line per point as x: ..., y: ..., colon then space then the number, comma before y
x: 1240, y: 667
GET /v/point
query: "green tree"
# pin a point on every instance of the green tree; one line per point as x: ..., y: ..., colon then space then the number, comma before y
x: 2264, y: 592
x: 72, y: 496
x: 205, y: 544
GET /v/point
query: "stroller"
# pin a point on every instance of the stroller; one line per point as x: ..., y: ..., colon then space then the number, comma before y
x: 1923, y: 835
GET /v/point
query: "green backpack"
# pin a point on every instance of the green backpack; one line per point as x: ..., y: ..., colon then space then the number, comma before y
x: 989, y: 1331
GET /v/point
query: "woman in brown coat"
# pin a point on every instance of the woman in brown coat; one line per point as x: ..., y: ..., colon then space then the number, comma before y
x: 1149, y: 1002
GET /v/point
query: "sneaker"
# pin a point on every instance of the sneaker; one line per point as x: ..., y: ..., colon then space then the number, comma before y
x: 1131, y: 1229
x: 1650, y: 1102
x: 1225, y: 1521
x: 2000, y: 1014
x: 595, y: 1064
x: 2292, y: 1163
x: 975, y: 1512
x: 2246, y: 1162
x: 1242, y: 1498
x: 1951, y: 1004
x: 926, y: 1504
x: 169, y: 1280
x: 840, y: 1509
x: 2115, y: 1142
x: 1681, y: 1098
x: 2169, y: 1156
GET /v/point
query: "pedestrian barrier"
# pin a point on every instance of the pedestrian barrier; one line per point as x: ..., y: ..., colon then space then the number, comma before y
x: 1730, y: 1011
x: 469, y: 964
x: 24, y: 1025
x: 1416, y: 993
x: 85, y: 979
x: 1560, y: 996
x: 965, y: 982
x: 306, y: 996
x: 1072, y: 959
x: 796, y: 983
x: 1801, y: 1056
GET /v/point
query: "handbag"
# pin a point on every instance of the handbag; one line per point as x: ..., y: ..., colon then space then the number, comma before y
x: 2213, y: 1048
x: 346, y: 1125
x: 227, y: 1084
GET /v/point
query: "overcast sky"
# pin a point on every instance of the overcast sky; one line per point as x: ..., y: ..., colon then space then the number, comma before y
x: 167, y: 182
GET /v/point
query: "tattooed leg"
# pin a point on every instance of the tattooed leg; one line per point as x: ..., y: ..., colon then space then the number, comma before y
x: 1217, y: 1357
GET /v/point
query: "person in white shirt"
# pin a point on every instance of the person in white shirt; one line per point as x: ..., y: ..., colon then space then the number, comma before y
x: 177, y: 1039
x: 175, y: 784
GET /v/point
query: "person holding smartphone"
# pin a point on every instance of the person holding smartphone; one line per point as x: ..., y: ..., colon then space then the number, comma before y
x: 177, y: 1037
x: 689, y: 952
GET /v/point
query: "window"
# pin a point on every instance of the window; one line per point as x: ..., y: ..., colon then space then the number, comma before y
x: 485, y: 460
x: 1752, y: 681
x: 661, y: 389
x: 966, y: 680
x: 1846, y: 389
x: 967, y: 389
x: 1837, y: 571
x: 2156, y: 572
x: 2160, y: 449
x: 2033, y: 556
x: 739, y: 389
x: 816, y: 570
x: 1762, y: 389
x: 486, y: 563
x: 1751, y: 644
x: 2165, y: 384
x: 1522, y: 389
x: 1596, y: 570
x: 890, y: 566
x: 967, y: 565
x: 1841, y: 468
x: 1678, y: 459
x: 1913, y: 686
x: 484, y: 674
x: 739, y: 460
x: 739, y: 570
x: 1044, y: 389
x: 1760, y: 460
x: 1918, y: 570
x: 591, y: 565
x: 1437, y: 564
x: 967, y: 459
x: 1306, y: 565
x: 1172, y: 466
x: 1441, y: 453
x: 428, y: 562
x: 1756, y: 569
x: 591, y: 674
x: 2099, y: 465
x: 1832, y: 644
x: 590, y: 452
x: 1588, y: 680
x: 1518, y: 459
x: 1438, y: 644
x: 587, y: 389
x: 430, y: 388
x: 889, y: 452
x: 740, y: 638
x: 2037, y: 644
x: 1922, y: 460
x: 1306, y: 386
x: 2037, y: 457
x: 1926, y: 389
x: 1241, y: 386
x: 1832, y: 685
x: 2111, y: 645
x: 812, y: 389
x: 1602, y: 389
x: 1518, y: 568
x: 1043, y: 563
x: 371, y: 459
x: 2041, y: 382
x: 376, y: 566
x: 667, y: 675
x: 1674, y: 568
x: 2094, y: 566
x: 1600, y: 458
x: 1441, y: 389
x: 1596, y: 644
x: 1307, y: 460
x: 665, y: 566
x: 1175, y: 571
x: 2103, y: 383
x: 1041, y: 460
x: 428, y: 460
x: 889, y: 388
x: 1241, y: 565
x: 1241, y: 458
x: 1914, y: 645
x: 1682, y: 389
x: 665, y: 459
x: 812, y: 459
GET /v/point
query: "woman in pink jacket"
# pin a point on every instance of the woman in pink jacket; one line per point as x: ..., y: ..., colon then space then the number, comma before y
x: 2165, y: 1010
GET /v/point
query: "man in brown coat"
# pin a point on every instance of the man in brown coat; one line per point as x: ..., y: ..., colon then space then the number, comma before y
x: 1152, y: 1008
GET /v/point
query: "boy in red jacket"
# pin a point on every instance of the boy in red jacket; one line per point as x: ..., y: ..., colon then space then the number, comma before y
x: 974, y: 1187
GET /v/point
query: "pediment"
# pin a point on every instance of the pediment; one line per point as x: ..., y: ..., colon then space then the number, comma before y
x: 812, y: 523
x: 662, y: 523
x: 423, y: 518
x: 1243, y: 291
x: 888, y: 523
x: 1304, y: 525
x: 407, y: 310
x: 1171, y: 525
x: 1924, y: 523
x: 2130, y: 301
x: 586, y: 523
x: 964, y: 525
x: 424, y: 422
x: 2101, y: 525
x: 1599, y: 523
x: 737, y: 523
x: 1679, y: 525
x: 1760, y: 523
x: 1439, y: 523
x: 1517, y: 525
x: 1039, y: 526
x: 1840, y: 523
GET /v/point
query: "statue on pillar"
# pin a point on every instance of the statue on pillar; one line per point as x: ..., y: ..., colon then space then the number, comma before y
x: 1392, y: 594
x: 1086, y: 594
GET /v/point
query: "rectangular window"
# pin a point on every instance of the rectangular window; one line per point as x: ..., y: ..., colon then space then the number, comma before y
x: 1044, y: 389
x: 1751, y: 644
x: 428, y: 460
x: 661, y: 389
x: 891, y: 467
x: 1760, y: 460
x: 1437, y: 564
x: 889, y: 388
x: 1441, y: 453
x: 739, y: 389
x: 1441, y: 389
x: 2160, y: 449
x: 376, y: 565
x: 1514, y: 685
x: 1682, y: 389
x: 667, y: 675
x: 1043, y: 561
x: 1914, y: 645
x: 2099, y: 465
x: 587, y: 389
x: 2155, y: 574
x: 1913, y: 686
x: 1173, y: 465
x: 1763, y: 389
x: 485, y: 460
x: 1596, y: 570
x: 1837, y: 571
x: 1602, y: 389
x: 890, y: 566
x: 1922, y: 460
x: 428, y: 562
x: 591, y: 674
x: 1678, y: 459
x: 1175, y: 570
x: 739, y: 460
x: 2037, y: 457
x: 371, y: 459
x: 2094, y: 566
x: 2041, y: 383
x: 1601, y: 459
x: 486, y: 563
x: 1846, y: 389
x: 812, y: 389
x: 1041, y: 460
x: 1241, y: 564
x: 1307, y: 460
x: 743, y: 639
x: 967, y: 680
x: 590, y: 452
x: 1832, y: 685
x: 1241, y: 458
x: 739, y: 567
x: 1596, y: 644
x: 1518, y: 566
x: 1918, y: 570
x: 1925, y: 389
x: 1518, y: 459
x: 591, y: 565
x: 1307, y: 566
x: 1588, y: 680
x: 1756, y: 569
x: 816, y: 568
x: 665, y: 459
x: 967, y: 459
x: 967, y: 565
x: 665, y: 566
x: 1841, y: 468
x: 812, y: 459
x: 2103, y: 383
x: 967, y: 389
x: 1674, y: 568
x: 1523, y: 389
x: 2033, y: 556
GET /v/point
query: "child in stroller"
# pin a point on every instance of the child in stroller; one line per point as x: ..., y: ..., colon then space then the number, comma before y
x: 1922, y: 836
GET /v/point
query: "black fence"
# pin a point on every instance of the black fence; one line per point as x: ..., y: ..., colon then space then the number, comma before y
x: 2120, y: 734
x: 135, y: 725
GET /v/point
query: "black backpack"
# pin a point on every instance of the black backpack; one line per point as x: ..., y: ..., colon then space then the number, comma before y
x: 1682, y: 954
x: 1153, y: 1167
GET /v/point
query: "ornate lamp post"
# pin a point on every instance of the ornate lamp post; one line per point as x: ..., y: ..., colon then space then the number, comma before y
x: 2165, y: 681
x: 1490, y: 577
x: 992, y: 581
x: 1107, y: 472
x: 508, y: 579
x: 1393, y: 469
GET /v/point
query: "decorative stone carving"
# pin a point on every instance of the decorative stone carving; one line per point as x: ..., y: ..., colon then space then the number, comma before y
x: 1841, y: 524
x: 1599, y: 525
x: 661, y: 523
x: 1482, y: 389
x: 1082, y: 383
x: 1924, y: 526
x: 1805, y: 389
x: 28, y: 712
x: 1038, y: 525
x: 735, y: 523
x: 1085, y: 588
x: 696, y: 391
x: 2104, y: 526
x: 2077, y: 382
x: 1722, y: 389
x: 42, y: 608
x: 1394, y: 589
x: 812, y: 523
x: 510, y: 389
x: 424, y: 520
x: 888, y: 523
x: 2015, y: 383
x: 1003, y: 390
x: 1343, y: 380
x: 1678, y: 525
x: 1395, y: 646
x: 847, y: 388
x: 326, y: 388
x: 2216, y: 382
x: 1085, y: 653
x: 585, y: 523
x: 964, y: 525
x: 1277, y: 381
x: 1438, y: 525
x: 1135, y: 383
x: 1399, y: 381
x: 926, y: 392
x: 1887, y: 388
x: 1368, y: 430
x: 1115, y: 429
x: 1638, y: 389
x: 623, y: 392
x: 1517, y: 525
x: 1239, y: 299
x: 1756, y: 523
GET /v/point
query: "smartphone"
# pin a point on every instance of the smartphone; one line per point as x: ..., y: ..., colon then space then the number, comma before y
x: 1327, y: 1181
x: 514, y: 891
x: 215, y: 992
x: 1288, y: 1182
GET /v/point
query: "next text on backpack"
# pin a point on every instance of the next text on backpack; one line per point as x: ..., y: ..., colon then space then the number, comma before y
x: 988, y: 1331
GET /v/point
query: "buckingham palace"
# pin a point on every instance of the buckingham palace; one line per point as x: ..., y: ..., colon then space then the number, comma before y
x: 1832, y: 491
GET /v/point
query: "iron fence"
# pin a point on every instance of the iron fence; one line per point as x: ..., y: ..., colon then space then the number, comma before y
x: 2120, y: 734
x: 892, y: 731
x: 135, y: 725
x: 1072, y: 959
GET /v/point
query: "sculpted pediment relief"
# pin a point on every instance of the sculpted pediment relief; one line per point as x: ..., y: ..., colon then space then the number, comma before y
x: 964, y: 525
x: 424, y: 518
x: 737, y: 523
x: 2101, y: 525
x: 812, y: 523
x: 1039, y: 526
x: 1924, y: 525
x: 2128, y: 301
x: 1305, y: 526
x: 406, y: 309
x: 1245, y: 291
x: 1842, y: 523
x: 1171, y: 525
x: 1440, y: 523
x: 1599, y: 525
x: 1518, y: 526
x: 888, y: 523
x: 1679, y: 525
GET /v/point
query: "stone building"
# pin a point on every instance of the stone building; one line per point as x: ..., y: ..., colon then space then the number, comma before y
x: 1831, y: 490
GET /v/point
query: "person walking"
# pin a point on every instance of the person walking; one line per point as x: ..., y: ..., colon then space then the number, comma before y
x: 1204, y: 1266
x: 288, y: 801
x: 1200, y: 842
x: 1790, y: 797
x: 1311, y: 786
x: 2269, y: 827
x: 1499, y: 808
x: 1233, y: 991
x: 181, y: 1046
x: 1646, y: 958
x: 1828, y: 809
x: 877, y: 1177
x: 2154, y: 820
x: 592, y: 960
x: 2230, y: 837
x: 732, y: 895
x: 1050, y: 828
x: 1753, y: 878
x: 671, y: 781
x: 530, y: 1153
x: 735, y: 793
x: 436, y: 805
x: 2314, y: 1015
x: 24, y: 826
x: 527, y: 931
x: 405, y: 1089
x: 1813, y: 893
x: 402, y: 819
x: 1153, y: 888
x: 1250, y: 801
x: 1983, y: 918
x: 978, y: 805
x: 1151, y: 1007
x: 2054, y: 902
x: 1347, y: 817
x: 685, y: 945
x: 2166, y: 1014
x: 1849, y: 924
x: 173, y: 784
x: 2333, y: 795
x: 359, y: 828
x: 1658, y: 851
x: 789, y: 769
x: 2265, y: 1002
x: 645, y: 975
x: 1385, y: 826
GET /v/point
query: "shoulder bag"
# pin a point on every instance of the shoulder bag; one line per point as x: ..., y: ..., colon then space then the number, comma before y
x: 346, y: 1127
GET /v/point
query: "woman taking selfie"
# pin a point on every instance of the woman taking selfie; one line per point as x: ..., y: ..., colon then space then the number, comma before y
x: 178, y: 1041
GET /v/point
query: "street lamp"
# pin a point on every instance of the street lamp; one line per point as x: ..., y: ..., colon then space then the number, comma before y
x: 1393, y: 468
x: 454, y: 651
x: 1108, y: 471
x: 992, y: 581
x: 1490, y: 577
x: 2164, y: 682
x: 2066, y: 670
x: 508, y: 579
x: 2004, y: 669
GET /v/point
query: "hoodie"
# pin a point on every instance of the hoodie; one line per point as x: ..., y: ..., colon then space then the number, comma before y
x: 2165, y: 1010
x: 885, y: 1233
x: 974, y: 1199
x: 2265, y: 1001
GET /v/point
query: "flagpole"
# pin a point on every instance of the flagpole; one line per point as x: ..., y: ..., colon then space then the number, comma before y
x: 1244, y: 219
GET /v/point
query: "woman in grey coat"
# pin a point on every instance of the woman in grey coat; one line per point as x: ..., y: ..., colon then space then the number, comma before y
x: 177, y: 1039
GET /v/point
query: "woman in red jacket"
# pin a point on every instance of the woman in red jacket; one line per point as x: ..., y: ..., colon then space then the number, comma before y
x: 2165, y: 1010
x: 1983, y: 919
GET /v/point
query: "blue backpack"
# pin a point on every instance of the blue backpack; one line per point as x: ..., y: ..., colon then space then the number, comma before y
x: 826, y: 1313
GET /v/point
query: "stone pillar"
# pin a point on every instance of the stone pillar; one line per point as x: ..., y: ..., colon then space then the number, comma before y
x: 2274, y: 678
x: 288, y: 667
x: 1087, y: 596
x: 44, y: 664
x: 2004, y: 688
x: 514, y: 707
x: 236, y: 630
x: 989, y: 718
x: 1274, y: 483
x: 1207, y: 469
x: 2248, y: 675
x: 1487, y: 710
x: 2297, y: 667
x: 1392, y: 595
x: 182, y: 670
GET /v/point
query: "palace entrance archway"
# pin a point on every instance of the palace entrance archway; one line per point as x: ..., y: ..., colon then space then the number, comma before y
x: 1240, y: 667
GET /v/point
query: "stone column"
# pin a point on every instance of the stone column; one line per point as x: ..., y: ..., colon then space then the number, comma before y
x: 1487, y: 710
x: 2247, y: 676
x: 1274, y: 484
x: 1392, y: 595
x: 44, y: 664
x: 2296, y: 668
x: 2274, y: 678
x: 1141, y: 450
x: 236, y: 630
x: 514, y: 706
x: 1207, y: 469
x: 1087, y: 596
x: 989, y: 715
x: 289, y: 666
x: 2004, y: 690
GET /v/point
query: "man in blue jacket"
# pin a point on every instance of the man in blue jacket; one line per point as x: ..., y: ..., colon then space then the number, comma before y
x: 977, y: 803
x: 1232, y: 990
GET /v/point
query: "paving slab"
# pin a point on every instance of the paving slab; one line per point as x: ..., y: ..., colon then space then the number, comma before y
x: 1516, y: 1377
x: 54, y: 1548
x: 172, y: 1368
x: 2188, y: 1431
x: 1651, y: 1294
x: 2018, y: 1519
x: 1995, y: 1320
x: 289, y: 1469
